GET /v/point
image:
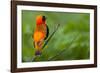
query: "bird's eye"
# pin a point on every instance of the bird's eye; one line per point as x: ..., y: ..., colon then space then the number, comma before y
x: 43, y: 18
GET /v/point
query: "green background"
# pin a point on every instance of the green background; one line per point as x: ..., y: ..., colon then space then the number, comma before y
x: 73, y: 36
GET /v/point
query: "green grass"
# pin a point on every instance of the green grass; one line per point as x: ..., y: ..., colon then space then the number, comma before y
x: 73, y: 36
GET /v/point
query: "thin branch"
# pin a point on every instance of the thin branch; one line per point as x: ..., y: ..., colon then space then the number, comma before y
x: 46, y: 42
x: 62, y: 50
x: 34, y: 58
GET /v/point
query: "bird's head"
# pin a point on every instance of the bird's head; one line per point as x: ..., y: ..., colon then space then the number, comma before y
x: 40, y: 19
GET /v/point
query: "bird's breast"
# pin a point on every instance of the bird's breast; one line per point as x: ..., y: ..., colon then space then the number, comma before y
x: 38, y: 36
x: 40, y: 33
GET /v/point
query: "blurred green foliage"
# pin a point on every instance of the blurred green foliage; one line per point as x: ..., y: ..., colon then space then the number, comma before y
x: 73, y: 36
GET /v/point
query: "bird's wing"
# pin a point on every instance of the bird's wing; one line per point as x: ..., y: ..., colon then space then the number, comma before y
x: 47, y: 32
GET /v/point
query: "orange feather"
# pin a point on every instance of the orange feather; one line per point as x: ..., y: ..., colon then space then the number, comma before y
x: 39, y: 34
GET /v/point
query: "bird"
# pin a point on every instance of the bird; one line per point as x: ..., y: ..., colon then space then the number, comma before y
x: 40, y: 34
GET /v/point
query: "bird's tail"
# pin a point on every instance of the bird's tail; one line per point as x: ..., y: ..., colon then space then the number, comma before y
x: 38, y: 52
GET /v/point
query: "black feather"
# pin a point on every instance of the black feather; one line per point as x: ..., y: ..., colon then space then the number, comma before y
x: 43, y: 18
x: 47, y: 34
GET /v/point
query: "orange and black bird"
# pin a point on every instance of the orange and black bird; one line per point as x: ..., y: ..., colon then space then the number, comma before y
x: 40, y: 34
